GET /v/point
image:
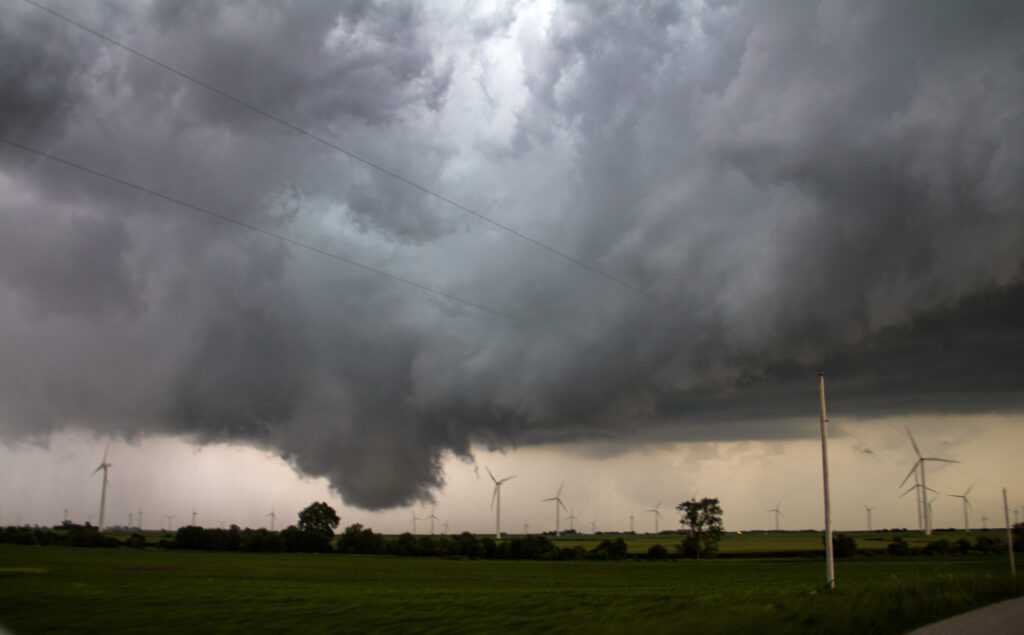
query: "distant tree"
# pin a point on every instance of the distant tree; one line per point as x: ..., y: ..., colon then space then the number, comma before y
x: 319, y: 518
x: 704, y: 520
x: 843, y: 546
x: 898, y: 547
x: 657, y: 552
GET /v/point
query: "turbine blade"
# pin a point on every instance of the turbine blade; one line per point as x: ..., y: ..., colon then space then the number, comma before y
x: 560, y: 489
x: 545, y: 500
x: 968, y: 490
x: 910, y: 473
x: 562, y: 504
x: 930, y: 458
x: 507, y: 478
x: 489, y: 473
x: 913, y: 443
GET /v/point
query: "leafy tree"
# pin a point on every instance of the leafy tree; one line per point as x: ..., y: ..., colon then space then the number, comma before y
x: 319, y: 518
x: 704, y: 520
x: 843, y: 546
x: 657, y: 552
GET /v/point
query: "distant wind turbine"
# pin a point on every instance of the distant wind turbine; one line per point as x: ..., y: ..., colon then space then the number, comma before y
x: 194, y: 514
x: 432, y: 518
x: 103, y: 491
x: 593, y: 526
x: 558, y: 503
x: 272, y: 516
x: 572, y: 518
x: 869, y: 516
x: 496, y: 498
x: 657, y: 514
x: 967, y: 505
x: 140, y: 517
x: 631, y: 524
x: 170, y: 521
x: 414, y: 519
x: 131, y: 519
x: 778, y: 513
x: 445, y: 525
x: 919, y: 464
x: 526, y: 529
x: 984, y: 522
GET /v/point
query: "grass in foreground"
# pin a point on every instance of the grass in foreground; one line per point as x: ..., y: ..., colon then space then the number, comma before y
x: 103, y: 590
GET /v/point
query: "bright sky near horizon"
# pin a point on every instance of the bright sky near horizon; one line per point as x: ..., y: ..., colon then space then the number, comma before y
x: 285, y: 252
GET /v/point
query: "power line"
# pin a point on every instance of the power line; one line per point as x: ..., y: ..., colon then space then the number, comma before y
x: 293, y: 241
x: 376, y: 166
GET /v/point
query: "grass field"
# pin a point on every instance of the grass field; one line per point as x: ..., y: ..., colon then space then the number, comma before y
x: 67, y: 589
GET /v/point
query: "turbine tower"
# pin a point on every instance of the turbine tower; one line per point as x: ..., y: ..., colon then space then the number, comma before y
x: 103, y: 491
x: 778, y: 513
x: 140, y: 517
x: 170, y: 521
x: 657, y: 514
x: 558, y: 503
x: 272, y: 516
x: 919, y: 464
x: 869, y: 516
x: 631, y: 524
x: 194, y: 514
x: 496, y: 498
x: 967, y: 505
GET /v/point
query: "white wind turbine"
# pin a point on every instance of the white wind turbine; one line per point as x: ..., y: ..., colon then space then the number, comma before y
x: 103, y: 491
x: 432, y: 518
x: 445, y: 525
x: 919, y: 464
x: 272, y: 516
x: 558, y: 503
x: 496, y: 498
x: 657, y: 514
x: 194, y: 514
x: 984, y: 522
x: 869, y: 516
x: 414, y: 519
x: 920, y: 493
x: 967, y: 505
x: 778, y: 513
x: 572, y: 518
x: 170, y: 521
x: 631, y: 524
x: 593, y: 526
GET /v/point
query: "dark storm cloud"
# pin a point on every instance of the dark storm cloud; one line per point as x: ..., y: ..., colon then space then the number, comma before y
x: 801, y: 187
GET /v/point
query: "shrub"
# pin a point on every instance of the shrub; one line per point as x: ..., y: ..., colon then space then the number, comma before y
x: 657, y: 552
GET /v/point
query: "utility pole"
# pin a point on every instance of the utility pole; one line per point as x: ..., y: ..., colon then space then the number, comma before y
x: 1009, y: 535
x: 830, y: 572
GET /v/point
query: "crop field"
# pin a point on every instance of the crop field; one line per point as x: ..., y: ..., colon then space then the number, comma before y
x: 68, y: 589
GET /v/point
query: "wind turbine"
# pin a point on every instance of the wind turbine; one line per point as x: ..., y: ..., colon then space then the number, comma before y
x: 140, y: 517
x: 526, y: 529
x: 593, y: 526
x: 445, y: 525
x: 984, y: 522
x: 496, y: 497
x: 103, y: 492
x: 967, y: 504
x: 631, y: 524
x: 131, y: 519
x: 920, y: 493
x: 170, y: 521
x: 778, y: 513
x: 432, y: 518
x: 272, y: 516
x: 558, y: 503
x: 194, y: 514
x: 869, y: 516
x: 919, y: 464
x: 571, y: 517
x: 414, y: 519
x: 657, y: 515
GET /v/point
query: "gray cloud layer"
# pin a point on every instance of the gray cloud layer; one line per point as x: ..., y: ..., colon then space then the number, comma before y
x: 832, y: 186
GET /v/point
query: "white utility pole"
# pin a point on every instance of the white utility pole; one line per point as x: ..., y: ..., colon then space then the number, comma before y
x: 830, y: 572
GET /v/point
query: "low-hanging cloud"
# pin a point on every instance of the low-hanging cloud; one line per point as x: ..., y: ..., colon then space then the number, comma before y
x: 794, y: 187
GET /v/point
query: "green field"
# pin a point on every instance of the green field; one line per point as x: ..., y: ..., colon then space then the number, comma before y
x: 68, y: 589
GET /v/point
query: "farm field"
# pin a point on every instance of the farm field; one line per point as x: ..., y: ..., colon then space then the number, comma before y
x: 126, y: 590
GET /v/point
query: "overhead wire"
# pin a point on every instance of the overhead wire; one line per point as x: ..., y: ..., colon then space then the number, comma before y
x: 293, y: 241
x: 352, y: 155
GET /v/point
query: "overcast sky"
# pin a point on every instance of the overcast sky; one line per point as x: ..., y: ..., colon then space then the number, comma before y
x: 609, y: 244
